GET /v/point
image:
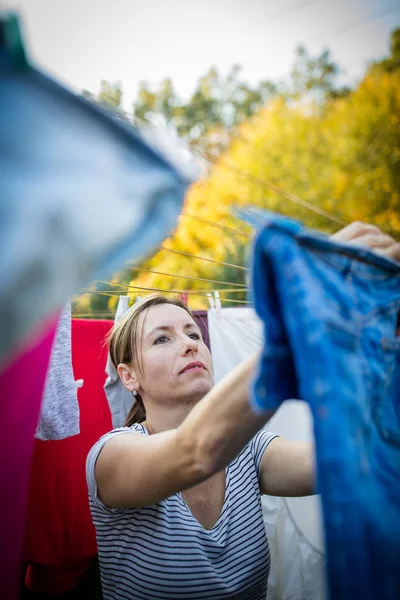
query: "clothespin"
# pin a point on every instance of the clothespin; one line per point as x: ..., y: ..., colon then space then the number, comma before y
x: 217, y: 299
x: 211, y: 300
x: 184, y: 296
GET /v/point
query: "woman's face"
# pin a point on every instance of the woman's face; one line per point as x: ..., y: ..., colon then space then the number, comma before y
x: 175, y: 362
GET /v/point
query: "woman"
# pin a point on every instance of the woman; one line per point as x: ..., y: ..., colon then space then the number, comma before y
x: 172, y: 519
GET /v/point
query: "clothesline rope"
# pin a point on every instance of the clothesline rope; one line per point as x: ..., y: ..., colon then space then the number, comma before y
x: 218, y: 162
x: 217, y: 225
x: 241, y: 285
x: 126, y: 288
x: 190, y: 255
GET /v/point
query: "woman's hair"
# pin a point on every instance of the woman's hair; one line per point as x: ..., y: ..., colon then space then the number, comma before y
x: 123, y: 344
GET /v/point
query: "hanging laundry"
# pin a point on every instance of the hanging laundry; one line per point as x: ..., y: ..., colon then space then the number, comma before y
x: 330, y: 313
x: 80, y: 192
x: 119, y: 398
x: 60, y: 541
x: 59, y: 414
x: 235, y: 333
x: 184, y: 297
x: 21, y: 391
x: 293, y: 525
x: 201, y: 318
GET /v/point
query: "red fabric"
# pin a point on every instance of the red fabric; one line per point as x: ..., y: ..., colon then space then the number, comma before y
x: 60, y: 539
x: 21, y: 390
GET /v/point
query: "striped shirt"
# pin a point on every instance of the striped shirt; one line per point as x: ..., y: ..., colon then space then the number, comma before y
x: 162, y: 552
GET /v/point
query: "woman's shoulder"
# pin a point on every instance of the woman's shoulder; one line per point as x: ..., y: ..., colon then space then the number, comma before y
x: 94, y: 452
x: 135, y: 428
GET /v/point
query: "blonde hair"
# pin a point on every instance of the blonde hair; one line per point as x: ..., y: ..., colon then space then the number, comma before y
x: 122, y: 342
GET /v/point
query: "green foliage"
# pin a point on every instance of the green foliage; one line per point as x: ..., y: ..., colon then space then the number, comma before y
x: 392, y: 62
x: 313, y: 75
x: 216, y: 106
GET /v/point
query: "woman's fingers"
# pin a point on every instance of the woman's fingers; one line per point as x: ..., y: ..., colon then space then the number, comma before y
x: 355, y: 230
x: 368, y: 236
x: 374, y: 241
x: 393, y: 252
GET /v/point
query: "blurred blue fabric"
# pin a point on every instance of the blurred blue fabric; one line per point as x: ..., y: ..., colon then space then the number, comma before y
x: 80, y: 193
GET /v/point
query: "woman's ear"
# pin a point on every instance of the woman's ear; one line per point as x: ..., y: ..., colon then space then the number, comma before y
x: 128, y: 377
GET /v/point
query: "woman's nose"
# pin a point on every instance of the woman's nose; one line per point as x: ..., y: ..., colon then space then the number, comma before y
x: 190, y: 345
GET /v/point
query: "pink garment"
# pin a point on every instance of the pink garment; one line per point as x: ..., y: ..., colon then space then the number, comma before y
x: 21, y: 390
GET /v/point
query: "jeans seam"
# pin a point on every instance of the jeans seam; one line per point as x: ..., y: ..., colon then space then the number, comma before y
x: 353, y: 267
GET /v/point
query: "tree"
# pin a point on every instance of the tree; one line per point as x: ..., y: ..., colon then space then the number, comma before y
x: 392, y: 62
x: 314, y: 76
x: 217, y: 105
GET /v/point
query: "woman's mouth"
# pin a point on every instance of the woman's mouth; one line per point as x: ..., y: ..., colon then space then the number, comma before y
x: 193, y: 366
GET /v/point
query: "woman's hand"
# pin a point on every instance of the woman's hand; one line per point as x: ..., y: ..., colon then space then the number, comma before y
x: 369, y: 236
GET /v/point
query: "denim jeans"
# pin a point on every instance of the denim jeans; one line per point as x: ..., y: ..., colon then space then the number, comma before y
x: 81, y: 192
x: 330, y: 314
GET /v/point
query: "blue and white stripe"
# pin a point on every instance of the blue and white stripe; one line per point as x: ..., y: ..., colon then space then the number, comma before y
x: 162, y: 552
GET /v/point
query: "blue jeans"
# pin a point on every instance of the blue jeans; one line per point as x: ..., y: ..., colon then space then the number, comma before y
x: 81, y: 192
x: 330, y: 314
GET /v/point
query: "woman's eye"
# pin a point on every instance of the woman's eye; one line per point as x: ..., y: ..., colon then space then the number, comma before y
x: 161, y: 340
x: 194, y: 336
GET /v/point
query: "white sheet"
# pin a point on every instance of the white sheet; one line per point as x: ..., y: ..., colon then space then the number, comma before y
x: 294, y: 525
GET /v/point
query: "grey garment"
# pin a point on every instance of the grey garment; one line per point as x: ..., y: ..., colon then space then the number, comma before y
x: 59, y: 416
x: 119, y: 398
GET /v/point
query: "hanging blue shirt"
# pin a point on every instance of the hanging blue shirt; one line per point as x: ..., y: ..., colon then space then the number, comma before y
x: 330, y: 313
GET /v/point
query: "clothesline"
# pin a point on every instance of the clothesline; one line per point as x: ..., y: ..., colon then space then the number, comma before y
x: 239, y: 285
x: 223, y: 163
x: 217, y: 225
x: 219, y: 163
x: 126, y: 288
x: 190, y: 255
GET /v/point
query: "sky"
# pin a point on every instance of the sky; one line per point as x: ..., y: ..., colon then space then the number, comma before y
x: 82, y: 42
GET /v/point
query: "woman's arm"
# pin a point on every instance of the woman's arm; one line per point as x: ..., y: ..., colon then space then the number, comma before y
x: 287, y: 468
x: 135, y: 470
